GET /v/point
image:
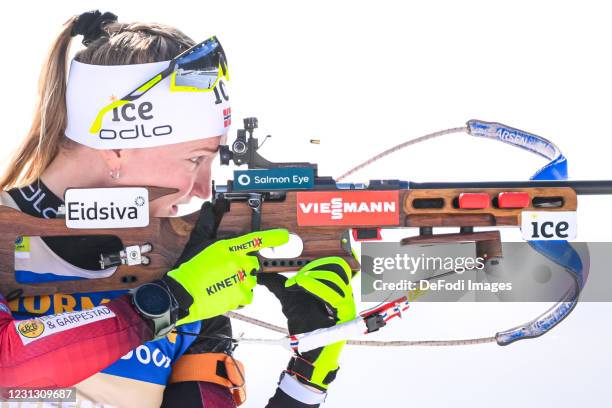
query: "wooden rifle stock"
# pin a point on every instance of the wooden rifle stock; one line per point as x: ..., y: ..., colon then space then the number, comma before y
x: 169, y: 235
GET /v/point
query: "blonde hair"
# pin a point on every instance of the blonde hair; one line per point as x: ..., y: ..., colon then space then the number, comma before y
x: 118, y: 44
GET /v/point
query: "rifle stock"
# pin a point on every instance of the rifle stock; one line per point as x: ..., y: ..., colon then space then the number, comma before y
x: 423, y: 208
x: 168, y: 236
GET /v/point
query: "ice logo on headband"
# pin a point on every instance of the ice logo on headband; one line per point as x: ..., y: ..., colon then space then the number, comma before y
x: 180, y: 100
x: 131, y: 112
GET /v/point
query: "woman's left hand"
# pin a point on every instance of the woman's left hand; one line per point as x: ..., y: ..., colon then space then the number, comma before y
x: 318, y: 296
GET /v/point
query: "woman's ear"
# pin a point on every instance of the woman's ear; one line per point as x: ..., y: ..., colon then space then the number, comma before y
x: 112, y: 158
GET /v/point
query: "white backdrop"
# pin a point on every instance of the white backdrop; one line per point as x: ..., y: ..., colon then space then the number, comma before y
x: 362, y: 76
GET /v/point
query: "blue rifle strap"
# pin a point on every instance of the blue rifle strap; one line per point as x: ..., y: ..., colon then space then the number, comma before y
x: 556, y: 169
x: 560, y: 252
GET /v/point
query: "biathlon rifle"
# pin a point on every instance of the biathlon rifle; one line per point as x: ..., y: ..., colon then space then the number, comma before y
x: 326, y: 215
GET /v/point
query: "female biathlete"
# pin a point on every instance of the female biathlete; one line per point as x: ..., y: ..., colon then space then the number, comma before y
x: 144, y: 105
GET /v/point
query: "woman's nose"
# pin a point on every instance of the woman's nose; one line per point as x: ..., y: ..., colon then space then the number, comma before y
x: 202, y: 181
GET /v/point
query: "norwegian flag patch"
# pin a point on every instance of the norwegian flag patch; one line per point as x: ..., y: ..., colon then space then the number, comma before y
x: 227, y: 117
x: 294, y: 343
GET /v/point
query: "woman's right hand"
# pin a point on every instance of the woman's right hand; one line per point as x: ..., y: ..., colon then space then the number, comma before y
x: 220, y: 277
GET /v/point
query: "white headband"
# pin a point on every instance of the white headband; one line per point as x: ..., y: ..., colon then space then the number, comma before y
x: 158, y: 117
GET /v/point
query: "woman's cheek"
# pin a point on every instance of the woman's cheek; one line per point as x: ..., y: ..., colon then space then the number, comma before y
x: 179, y: 178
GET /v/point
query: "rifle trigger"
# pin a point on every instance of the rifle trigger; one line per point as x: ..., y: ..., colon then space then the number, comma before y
x: 255, y: 202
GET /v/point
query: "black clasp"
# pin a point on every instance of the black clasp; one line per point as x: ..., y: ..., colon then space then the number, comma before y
x: 374, y: 322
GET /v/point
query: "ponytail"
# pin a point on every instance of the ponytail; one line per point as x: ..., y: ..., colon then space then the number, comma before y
x: 47, y: 131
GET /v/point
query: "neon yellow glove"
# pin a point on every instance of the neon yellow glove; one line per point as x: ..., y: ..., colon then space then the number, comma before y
x: 318, y: 296
x: 221, y: 277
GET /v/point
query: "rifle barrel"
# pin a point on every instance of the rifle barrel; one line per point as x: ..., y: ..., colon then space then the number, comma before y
x: 582, y: 187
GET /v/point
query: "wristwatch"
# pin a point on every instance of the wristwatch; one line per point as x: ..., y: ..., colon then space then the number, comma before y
x: 156, y: 304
